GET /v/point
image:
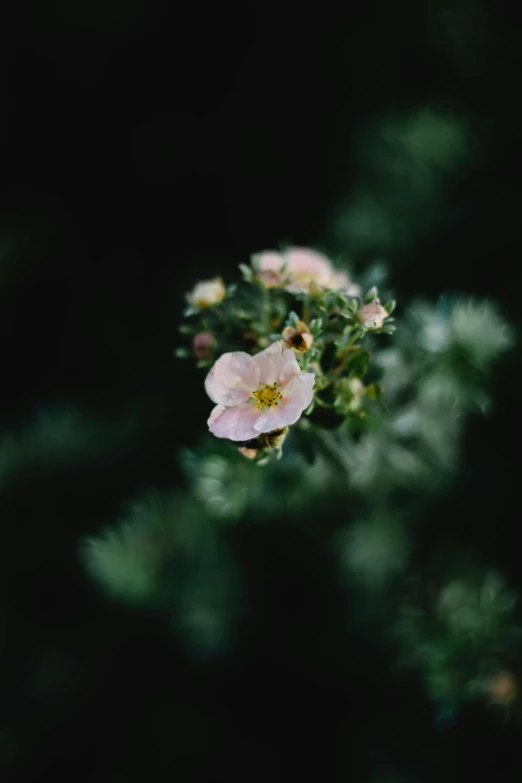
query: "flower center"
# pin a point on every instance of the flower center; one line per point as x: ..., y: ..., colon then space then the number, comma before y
x: 297, y: 341
x: 267, y: 396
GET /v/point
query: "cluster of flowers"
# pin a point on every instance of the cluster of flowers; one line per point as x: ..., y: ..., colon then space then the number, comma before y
x: 283, y: 343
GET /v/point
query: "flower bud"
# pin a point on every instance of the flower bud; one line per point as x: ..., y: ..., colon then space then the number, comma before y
x: 203, y: 345
x: 207, y: 293
x: 298, y: 337
x: 372, y: 315
x: 247, y: 452
x: 275, y: 439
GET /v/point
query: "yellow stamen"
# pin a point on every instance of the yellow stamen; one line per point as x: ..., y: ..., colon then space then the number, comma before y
x: 267, y: 396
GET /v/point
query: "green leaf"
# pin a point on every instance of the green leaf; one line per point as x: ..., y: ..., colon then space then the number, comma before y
x: 358, y: 362
x: 374, y: 391
x: 371, y: 295
x: 293, y: 318
x: 320, y: 382
x: 247, y: 272
x: 185, y: 329
x: 315, y: 290
x: 390, y: 306
x: 353, y: 334
x: 181, y: 353
x: 315, y: 326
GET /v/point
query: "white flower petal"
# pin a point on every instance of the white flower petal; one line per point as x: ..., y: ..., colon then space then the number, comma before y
x: 232, y: 378
x: 268, y: 261
x: 215, y: 414
x: 271, y: 363
x: 278, y: 417
x: 299, y: 390
x: 306, y: 266
x: 290, y: 368
x: 303, y: 260
x: 235, y: 423
x: 343, y: 282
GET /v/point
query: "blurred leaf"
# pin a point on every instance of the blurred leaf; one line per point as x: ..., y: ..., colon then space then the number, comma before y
x: 358, y: 362
x: 247, y: 272
x: 374, y: 391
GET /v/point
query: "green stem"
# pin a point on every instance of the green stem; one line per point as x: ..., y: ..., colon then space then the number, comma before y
x: 306, y: 310
x: 267, y: 311
x: 321, y: 403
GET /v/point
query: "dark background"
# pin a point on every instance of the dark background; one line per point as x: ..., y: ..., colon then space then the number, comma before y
x: 144, y: 146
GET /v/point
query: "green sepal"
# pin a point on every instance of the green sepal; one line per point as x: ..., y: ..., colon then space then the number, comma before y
x: 371, y: 295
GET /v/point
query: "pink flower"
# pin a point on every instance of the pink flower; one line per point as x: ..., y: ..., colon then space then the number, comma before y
x: 297, y: 268
x: 257, y: 394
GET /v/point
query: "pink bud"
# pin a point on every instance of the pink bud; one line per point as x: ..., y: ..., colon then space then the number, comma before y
x: 372, y: 315
x: 248, y: 453
x: 203, y: 345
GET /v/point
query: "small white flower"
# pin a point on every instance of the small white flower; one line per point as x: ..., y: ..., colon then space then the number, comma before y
x: 207, y: 293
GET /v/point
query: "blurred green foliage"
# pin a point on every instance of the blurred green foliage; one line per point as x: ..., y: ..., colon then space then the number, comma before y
x: 404, y: 162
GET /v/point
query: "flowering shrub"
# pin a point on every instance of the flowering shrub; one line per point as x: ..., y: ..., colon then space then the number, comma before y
x: 288, y: 342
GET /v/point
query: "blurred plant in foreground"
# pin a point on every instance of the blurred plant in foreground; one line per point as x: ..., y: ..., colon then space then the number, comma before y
x: 464, y: 639
x: 404, y: 162
x: 165, y: 554
x: 63, y: 436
